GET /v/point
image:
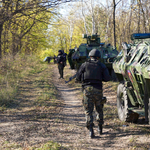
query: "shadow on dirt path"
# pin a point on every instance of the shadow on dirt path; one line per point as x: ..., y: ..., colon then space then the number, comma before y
x: 75, y: 135
x: 31, y: 123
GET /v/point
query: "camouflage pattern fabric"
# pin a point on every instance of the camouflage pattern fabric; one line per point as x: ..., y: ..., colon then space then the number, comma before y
x: 93, y: 97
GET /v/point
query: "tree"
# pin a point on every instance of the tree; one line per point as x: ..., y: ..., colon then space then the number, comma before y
x: 10, y: 8
x: 114, y: 21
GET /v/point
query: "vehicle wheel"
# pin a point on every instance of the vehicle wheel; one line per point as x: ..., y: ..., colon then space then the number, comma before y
x: 123, y: 104
x: 149, y: 111
x: 147, y: 104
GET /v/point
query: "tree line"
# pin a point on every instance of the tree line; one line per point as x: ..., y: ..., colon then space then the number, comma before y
x: 114, y: 21
x: 23, y: 24
x: 30, y: 26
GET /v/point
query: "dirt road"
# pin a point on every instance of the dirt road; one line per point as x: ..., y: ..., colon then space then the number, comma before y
x: 116, y: 135
x: 27, y: 126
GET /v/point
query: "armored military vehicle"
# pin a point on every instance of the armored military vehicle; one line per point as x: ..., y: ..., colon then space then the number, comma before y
x: 108, y: 53
x: 132, y: 68
x: 71, y: 51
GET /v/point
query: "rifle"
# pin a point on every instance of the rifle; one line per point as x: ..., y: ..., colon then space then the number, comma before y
x: 47, y: 59
x: 71, y: 78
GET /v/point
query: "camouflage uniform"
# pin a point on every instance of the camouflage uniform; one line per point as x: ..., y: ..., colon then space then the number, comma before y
x: 60, y: 62
x: 92, y: 96
x: 92, y: 73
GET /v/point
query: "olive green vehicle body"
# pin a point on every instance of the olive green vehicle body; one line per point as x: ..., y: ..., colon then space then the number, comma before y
x: 132, y: 68
x: 69, y: 57
x: 108, y: 53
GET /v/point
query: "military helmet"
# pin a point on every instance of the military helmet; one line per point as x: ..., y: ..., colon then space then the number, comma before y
x: 94, y: 53
x: 60, y: 51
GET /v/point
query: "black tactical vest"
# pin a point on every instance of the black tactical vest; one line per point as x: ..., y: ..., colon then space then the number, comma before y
x: 93, y: 71
x: 60, y: 58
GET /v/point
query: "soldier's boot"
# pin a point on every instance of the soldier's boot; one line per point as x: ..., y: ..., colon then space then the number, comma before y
x: 100, y: 129
x: 91, y: 132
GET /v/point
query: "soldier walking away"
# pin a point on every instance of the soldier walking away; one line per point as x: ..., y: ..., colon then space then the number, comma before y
x: 60, y: 62
x: 91, y: 74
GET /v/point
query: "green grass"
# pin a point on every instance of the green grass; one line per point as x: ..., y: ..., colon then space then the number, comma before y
x: 8, y: 146
x: 12, y: 71
x: 51, y: 146
x: 16, y: 71
x: 48, y: 92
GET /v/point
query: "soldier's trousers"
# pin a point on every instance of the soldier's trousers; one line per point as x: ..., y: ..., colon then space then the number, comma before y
x: 61, y: 68
x: 92, y: 97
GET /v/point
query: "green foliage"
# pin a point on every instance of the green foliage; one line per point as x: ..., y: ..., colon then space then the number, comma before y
x: 11, y: 145
x: 26, y: 34
x: 48, y: 52
x: 50, y: 146
x: 7, y: 96
x: 48, y: 95
x: 29, y: 31
x: 60, y: 36
x: 40, y: 81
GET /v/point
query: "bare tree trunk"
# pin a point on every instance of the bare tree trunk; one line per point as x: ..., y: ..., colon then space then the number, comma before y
x: 4, y: 40
x: 1, y: 29
x: 71, y: 28
x: 114, y: 23
x: 107, y: 22
x: 83, y: 16
x: 144, y: 20
x: 130, y: 19
x: 93, y: 20
x: 147, y: 6
x: 139, y: 17
x: 14, y: 50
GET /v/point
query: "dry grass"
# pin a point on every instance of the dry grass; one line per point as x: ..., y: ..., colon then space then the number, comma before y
x: 11, y: 72
x: 17, y: 76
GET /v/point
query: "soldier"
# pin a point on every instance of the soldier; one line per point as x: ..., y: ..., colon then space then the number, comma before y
x: 60, y: 62
x: 92, y: 73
